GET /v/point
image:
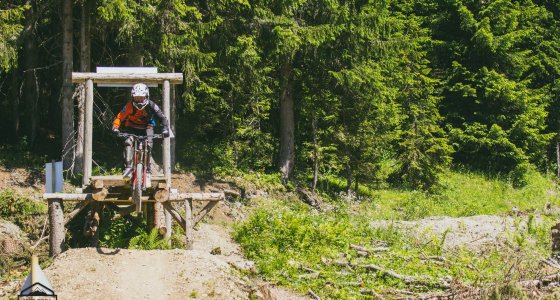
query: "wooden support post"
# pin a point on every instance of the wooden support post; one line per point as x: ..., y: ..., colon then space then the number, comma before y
x: 169, y: 208
x: 204, y: 212
x: 88, y: 132
x: 188, y: 225
x: 79, y: 207
x: 168, y: 226
x: 56, y: 223
x: 166, y: 141
x: 159, y: 218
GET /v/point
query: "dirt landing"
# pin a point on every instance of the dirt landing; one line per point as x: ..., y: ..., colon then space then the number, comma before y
x: 90, y: 273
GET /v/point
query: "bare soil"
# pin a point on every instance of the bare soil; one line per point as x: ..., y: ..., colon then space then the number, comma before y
x: 473, y: 233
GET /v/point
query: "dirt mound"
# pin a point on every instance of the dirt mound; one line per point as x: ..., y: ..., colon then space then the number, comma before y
x: 119, y: 274
x: 90, y: 273
x: 473, y: 233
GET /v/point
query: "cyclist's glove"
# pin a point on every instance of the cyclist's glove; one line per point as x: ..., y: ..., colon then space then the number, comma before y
x: 115, y: 130
x: 165, y: 132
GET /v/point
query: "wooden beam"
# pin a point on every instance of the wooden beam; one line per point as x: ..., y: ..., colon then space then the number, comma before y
x: 197, y: 196
x: 188, y: 225
x: 120, y: 78
x: 204, y: 212
x: 68, y: 197
x: 79, y: 207
x: 169, y: 208
x: 88, y: 132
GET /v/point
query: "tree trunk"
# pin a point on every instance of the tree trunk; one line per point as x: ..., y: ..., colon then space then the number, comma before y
x: 56, y: 224
x: 558, y: 159
x: 31, y: 93
x: 14, y: 97
x: 348, y: 179
x: 315, y: 155
x: 85, y: 63
x: 287, y: 148
x: 67, y: 87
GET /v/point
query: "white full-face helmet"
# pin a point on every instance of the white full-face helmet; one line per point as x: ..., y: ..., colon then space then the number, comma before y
x: 140, y: 89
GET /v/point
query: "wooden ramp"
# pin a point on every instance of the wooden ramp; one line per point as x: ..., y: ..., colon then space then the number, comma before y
x: 114, y: 192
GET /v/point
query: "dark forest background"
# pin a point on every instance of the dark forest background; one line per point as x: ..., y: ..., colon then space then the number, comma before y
x: 371, y: 92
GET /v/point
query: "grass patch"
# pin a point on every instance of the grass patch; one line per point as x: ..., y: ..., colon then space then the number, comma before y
x: 289, y: 243
x: 463, y: 194
x: 19, y: 209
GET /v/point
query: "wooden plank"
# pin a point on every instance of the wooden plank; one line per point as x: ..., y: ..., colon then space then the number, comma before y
x: 56, y: 224
x: 118, y: 78
x: 119, y: 180
x: 188, y: 225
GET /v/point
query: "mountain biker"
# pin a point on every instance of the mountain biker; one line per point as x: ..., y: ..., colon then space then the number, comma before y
x: 137, y: 117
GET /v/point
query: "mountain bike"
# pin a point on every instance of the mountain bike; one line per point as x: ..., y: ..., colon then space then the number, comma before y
x: 141, y: 163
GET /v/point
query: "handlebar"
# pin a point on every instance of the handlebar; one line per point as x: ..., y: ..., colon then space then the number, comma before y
x: 140, y: 137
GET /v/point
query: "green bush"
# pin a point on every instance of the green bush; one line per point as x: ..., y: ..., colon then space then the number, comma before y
x: 17, y: 208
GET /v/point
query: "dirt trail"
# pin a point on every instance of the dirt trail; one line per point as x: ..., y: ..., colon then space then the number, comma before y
x: 90, y: 273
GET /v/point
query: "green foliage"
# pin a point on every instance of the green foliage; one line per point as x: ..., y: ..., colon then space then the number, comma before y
x: 287, y: 240
x: 415, y: 83
x: 11, y: 17
x: 17, y: 208
x: 149, y: 241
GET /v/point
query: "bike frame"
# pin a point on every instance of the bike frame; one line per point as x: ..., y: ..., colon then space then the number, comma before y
x: 141, y: 160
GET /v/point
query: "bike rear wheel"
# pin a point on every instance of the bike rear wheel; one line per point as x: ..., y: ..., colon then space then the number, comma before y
x: 137, y: 188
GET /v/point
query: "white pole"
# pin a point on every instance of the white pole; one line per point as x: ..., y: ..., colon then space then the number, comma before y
x: 88, y: 132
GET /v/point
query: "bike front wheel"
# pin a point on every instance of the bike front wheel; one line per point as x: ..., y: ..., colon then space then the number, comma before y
x: 137, y: 188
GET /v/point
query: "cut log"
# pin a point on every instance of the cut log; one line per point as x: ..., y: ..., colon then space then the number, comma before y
x: 56, y: 224
x: 373, y: 250
x: 99, y: 194
x: 161, y: 195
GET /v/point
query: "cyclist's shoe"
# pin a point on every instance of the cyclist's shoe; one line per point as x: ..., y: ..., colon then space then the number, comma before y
x: 127, y: 173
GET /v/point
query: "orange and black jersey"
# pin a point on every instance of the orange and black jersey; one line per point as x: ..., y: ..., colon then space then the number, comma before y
x: 131, y: 116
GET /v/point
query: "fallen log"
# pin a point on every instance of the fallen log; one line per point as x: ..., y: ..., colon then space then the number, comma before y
x: 406, y: 278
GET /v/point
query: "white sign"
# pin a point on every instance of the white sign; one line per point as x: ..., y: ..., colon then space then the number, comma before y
x: 54, y: 179
x: 125, y: 70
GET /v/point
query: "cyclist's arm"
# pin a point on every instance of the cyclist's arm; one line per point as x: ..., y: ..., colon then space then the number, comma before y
x: 122, y: 115
x: 160, y: 115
